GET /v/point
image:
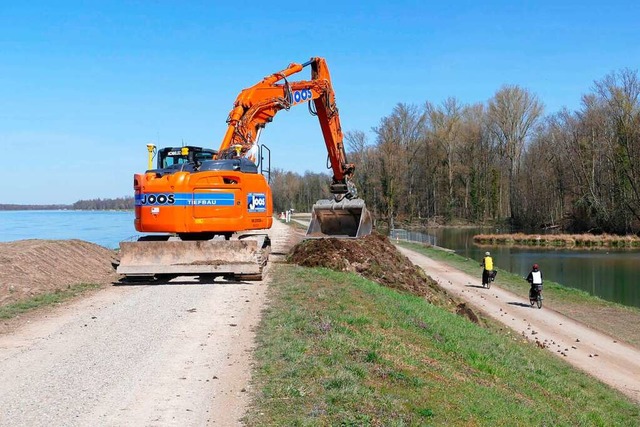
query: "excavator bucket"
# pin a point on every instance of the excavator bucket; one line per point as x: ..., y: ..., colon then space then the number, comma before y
x: 344, y: 219
x: 160, y: 257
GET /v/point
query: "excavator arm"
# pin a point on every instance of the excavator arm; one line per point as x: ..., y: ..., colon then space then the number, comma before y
x: 257, y: 105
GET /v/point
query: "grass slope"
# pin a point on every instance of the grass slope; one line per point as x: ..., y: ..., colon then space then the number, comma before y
x: 10, y: 311
x: 337, y: 349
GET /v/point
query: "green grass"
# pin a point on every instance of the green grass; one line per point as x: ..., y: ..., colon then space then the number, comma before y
x: 336, y: 349
x: 12, y: 310
x: 617, y: 320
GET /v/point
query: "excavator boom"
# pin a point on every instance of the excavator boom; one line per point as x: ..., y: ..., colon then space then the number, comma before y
x: 256, y: 106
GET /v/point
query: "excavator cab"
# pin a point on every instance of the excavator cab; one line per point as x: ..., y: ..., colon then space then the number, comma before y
x: 170, y: 156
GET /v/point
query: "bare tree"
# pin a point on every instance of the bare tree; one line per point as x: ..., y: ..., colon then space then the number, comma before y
x: 621, y: 94
x: 444, y: 129
x: 474, y: 162
x: 512, y: 113
x: 541, y: 182
x: 363, y: 156
x: 399, y: 139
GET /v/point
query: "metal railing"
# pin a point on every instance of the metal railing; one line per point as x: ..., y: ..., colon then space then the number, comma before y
x: 413, y: 236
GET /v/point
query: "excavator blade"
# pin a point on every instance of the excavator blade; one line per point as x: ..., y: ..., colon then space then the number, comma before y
x: 242, y: 259
x: 344, y: 219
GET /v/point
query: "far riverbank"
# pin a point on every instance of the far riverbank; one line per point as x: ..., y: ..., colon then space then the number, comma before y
x: 587, y: 241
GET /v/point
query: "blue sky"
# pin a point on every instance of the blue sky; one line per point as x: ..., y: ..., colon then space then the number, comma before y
x: 84, y: 86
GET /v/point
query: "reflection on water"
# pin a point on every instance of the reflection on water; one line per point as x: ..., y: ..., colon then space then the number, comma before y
x: 613, y: 275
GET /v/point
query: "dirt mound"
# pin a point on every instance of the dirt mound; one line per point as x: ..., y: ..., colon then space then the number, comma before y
x: 373, y: 257
x: 463, y: 310
x: 33, y: 267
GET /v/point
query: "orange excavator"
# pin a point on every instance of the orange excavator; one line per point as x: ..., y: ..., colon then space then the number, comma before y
x: 211, y: 205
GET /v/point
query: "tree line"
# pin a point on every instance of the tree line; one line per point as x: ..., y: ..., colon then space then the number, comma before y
x: 499, y: 160
x: 15, y: 207
x: 120, y: 203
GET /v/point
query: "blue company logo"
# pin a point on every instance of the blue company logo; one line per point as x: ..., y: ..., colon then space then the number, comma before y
x: 302, y: 95
x: 185, y: 199
x: 257, y: 202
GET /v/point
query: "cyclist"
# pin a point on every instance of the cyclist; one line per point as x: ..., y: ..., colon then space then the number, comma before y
x: 535, y: 279
x: 487, y: 272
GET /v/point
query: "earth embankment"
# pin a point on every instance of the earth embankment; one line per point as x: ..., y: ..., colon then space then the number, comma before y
x: 33, y: 267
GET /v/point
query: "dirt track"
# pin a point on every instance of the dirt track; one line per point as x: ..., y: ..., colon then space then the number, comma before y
x: 612, y: 362
x: 136, y: 355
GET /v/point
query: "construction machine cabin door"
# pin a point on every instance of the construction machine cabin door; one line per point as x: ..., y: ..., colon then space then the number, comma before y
x: 265, y: 162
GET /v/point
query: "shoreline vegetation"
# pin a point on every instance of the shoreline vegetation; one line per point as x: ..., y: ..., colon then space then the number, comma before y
x: 573, y: 241
x: 121, y: 203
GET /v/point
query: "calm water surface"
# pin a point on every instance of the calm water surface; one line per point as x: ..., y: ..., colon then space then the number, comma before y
x: 105, y: 228
x: 613, y: 275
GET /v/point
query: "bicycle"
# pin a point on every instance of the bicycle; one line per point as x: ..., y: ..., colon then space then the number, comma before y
x: 491, y: 277
x: 535, y: 295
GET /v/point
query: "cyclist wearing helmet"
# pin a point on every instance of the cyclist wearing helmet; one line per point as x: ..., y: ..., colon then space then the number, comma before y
x: 487, y: 272
x: 535, y: 279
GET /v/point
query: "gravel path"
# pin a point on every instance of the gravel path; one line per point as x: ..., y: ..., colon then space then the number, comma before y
x: 613, y: 363
x: 173, y: 354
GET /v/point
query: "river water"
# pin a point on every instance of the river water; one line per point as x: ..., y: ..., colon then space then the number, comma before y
x: 613, y: 275
x: 105, y: 228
